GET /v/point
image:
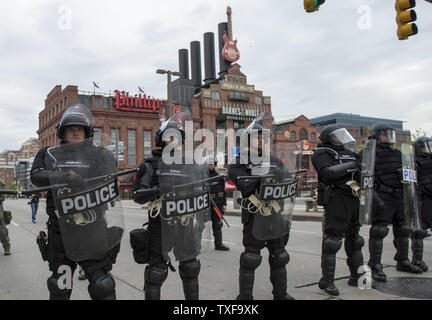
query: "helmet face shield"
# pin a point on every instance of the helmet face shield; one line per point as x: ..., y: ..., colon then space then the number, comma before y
x: 386, y: 136
x: 341, y: 136
x: 427, y: 147
x: 76, y: 115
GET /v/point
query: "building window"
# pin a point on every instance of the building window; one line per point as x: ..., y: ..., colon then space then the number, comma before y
x: 97, y: 102
x: 216, y: 95
x: 147, y: 143
x: 258, y: 100
x: 131, y: 147
x: 97, y: 136
x: 303, y: 134
x: 293, y: 135
x: 313, y: 137
x: 106, y: 103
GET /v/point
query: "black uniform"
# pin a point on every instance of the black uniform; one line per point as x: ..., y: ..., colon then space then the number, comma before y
x: 51, y: 165
x: 251, y: 258
x: 156, y: 271
x: 424, y: 176
x: 388, y: 208
x: 336, y: 166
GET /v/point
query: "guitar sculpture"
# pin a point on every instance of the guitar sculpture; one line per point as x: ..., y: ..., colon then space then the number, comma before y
x: 230, y: 51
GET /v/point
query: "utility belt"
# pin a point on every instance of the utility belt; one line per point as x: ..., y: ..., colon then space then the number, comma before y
x: 253, y: 204
x: 395, y: 192
x: 217, y: 195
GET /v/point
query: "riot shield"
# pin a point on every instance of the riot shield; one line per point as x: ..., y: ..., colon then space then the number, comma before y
x: 367, y: 182
x: 185, y: 208
x: 86, y: 197
x: 409, y: 180
x: 274, y: 200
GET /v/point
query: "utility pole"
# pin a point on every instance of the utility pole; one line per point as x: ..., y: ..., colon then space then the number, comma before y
x: 169, y: 73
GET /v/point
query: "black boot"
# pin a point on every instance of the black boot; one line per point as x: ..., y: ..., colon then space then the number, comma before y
x: 218, y: 241
x: 403, y: 263
x: 375, y: 250
x: 330, y: 247
x: 417, y: 249
x: 189, y: 272
x: 278, y: 278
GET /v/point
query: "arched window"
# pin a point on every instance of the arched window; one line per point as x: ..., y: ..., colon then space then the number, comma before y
x: 216, y: 95
x: 303, y: 134
x: 293, y: 135
x: 258, y: 100
x: 313, y: 137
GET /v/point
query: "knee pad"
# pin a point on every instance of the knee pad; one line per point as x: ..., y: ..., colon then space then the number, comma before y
x: 419, y: 234
x: 357, y: 243
x: 102, y: 286
x: 53, y: 287
x: 250, y: 261
x: 378, y: 232
x: 190, y: 270
x: 155, y: 276
x: 403, y: 231
x: 331, y: 245
x: 279, y: 260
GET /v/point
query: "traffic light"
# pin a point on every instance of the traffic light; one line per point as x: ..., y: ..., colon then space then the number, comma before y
x: 312, y: 5
x: 404, y: 17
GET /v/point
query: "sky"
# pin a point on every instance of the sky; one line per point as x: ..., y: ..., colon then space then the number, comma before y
x: 344, y: 58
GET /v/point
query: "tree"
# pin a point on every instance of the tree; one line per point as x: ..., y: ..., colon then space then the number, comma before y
x: 418, y: 132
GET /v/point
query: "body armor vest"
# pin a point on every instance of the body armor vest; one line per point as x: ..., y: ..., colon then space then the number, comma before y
x: 388, y: 165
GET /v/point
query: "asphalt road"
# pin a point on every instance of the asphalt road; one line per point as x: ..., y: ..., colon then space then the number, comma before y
x: 23, y: 274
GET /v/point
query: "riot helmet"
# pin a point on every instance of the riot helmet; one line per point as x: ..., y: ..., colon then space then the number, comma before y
x: 423, y: 145
x: 336, y: 136
x: 76, y: 115
x: 175, y: 126
x: 384, y: 134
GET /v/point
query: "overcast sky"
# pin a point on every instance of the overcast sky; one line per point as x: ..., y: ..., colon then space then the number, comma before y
x: 344, y: 58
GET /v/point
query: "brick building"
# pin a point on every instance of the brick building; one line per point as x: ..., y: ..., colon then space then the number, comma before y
x: 292, y: 137
x: 15, y: 164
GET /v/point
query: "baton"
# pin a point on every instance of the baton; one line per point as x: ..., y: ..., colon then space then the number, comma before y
x: 4, y: 191
x: 218, y: 177
x: 221, y: 217
x: 106, y: 177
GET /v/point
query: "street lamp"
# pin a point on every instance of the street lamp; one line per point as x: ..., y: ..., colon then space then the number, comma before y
x: 169, y: 99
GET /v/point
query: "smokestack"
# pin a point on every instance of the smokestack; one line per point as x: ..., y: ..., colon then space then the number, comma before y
x: 223, y: 64
x: 196, y: 63
x: 184, y: 63
x: 209, y: 57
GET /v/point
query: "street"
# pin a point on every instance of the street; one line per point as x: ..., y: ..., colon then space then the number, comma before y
x: 23, y: 274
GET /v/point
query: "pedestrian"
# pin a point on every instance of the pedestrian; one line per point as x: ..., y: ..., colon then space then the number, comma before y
x: 84, y: 237
x: 388, y: 205
x: 265, y: 222
x: 168, y: 231
x: 4, y: 220
x: 336, y: 166
x: 34, y: 204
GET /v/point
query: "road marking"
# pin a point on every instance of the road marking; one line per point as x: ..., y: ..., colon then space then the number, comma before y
x: 15, y: 224
x: 229, y: 242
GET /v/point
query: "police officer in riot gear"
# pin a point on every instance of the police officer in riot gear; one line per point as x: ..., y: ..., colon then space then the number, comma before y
x: 337, y: 167
x: 163, y: 233
x: 423, y: 155
x: 388, y: 205
x: 217, y: 193
x: 4, y: 234
x: 59, y: 165
x: 251, y: 258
